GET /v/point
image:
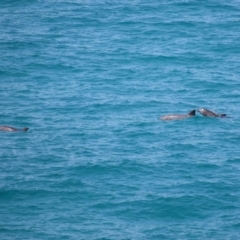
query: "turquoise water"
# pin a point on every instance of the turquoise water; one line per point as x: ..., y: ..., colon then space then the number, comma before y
x: 90, y: 79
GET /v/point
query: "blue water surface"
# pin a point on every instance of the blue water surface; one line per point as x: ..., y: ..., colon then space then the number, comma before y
x: 91, y: 79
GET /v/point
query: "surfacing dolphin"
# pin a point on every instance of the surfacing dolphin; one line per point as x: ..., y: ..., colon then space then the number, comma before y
x: 178, y: 116
x: 207, y: 113
x: 12, y: 129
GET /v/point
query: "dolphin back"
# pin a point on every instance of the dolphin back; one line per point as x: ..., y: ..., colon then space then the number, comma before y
x: 192, y: 113
x: 178, y: 116
x: 12, y: 129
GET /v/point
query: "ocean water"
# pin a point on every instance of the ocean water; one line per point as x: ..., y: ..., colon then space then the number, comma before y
x: 91, y: 79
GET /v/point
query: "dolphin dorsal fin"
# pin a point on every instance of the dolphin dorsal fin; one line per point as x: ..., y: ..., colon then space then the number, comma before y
x: 192, y: 113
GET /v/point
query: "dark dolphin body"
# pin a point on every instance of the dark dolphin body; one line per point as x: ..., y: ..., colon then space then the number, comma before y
x: 207, y: 113
x: 12, y: 129
x: 178, y: 116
